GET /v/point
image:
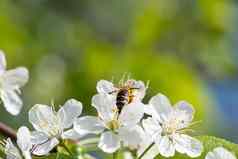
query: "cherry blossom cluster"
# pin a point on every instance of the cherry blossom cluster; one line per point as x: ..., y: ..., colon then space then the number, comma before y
x: 150, y: 129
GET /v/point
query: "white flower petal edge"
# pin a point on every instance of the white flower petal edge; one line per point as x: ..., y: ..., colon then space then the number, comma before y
x: 127, y: 155
x: 16, y: 78
x: 105, y: 106
x: 220, y: 153
x: 131, y: 136
x: 10, y: 83
x: 151, y: 128
x: 131, y: 114
x: 38, y: 137
x: 12, y: 102
x: 165, y: 146
x: 109, y: 142
x: 160, y: 105
x: 89, y: 124
x: 69, y: 112
x: 24, y: 139
x: 104, y: 86
x: 72, y: 134
x: 144, y: 144
x: 188, y: 145
x: 45, y: 147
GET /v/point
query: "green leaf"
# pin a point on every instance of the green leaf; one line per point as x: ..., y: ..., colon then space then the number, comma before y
x: 209, y: 143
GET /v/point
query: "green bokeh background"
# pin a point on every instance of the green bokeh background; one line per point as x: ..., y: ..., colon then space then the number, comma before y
x: 68, y: 45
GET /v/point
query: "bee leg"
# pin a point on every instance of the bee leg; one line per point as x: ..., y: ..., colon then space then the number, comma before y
x: 134, y: 88
x: 112, y: 92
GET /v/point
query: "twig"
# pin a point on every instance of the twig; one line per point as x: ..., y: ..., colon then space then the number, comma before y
x: 146, y: 150
x: 7, y: 131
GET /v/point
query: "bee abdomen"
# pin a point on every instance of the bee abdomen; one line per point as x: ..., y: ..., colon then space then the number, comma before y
x: 122, y: 99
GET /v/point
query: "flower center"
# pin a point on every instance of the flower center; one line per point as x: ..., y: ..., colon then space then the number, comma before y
x: 51, y: 128
x: 113, y: 125
x: 171, y: 126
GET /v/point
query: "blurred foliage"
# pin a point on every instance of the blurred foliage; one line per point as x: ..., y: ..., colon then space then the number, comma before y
x: 69, y: 45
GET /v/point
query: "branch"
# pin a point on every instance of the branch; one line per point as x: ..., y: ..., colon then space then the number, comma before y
x: 7, y: 131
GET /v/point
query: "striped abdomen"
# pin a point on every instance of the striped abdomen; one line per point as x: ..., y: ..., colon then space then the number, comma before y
x: 123, y: 97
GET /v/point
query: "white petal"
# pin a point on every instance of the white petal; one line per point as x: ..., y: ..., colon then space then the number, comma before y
x: 12, y: 102
x: 131, y: 114
x: 27, y: 154
x: 104, y: 86
x: 109, y: 142
x: 45, y: 148
x: 220, y: 153
x: 146, y: 142
x: 187, y: 108
x: 149, y: 109
x: 152, y: 153
x: 44, y: 119
x: 105, y: 105
x: 131, y: 137
x: 24, y: 138
x: 188, y: 145
x: 16, y: 78
x: 88, y: 124
x: 161, y: 104
x: 127, y: 155
x: 38, y: 137
x: 152, y: 127
x: 11, y: 150
x: 166, y: 146
x: 69, y: 112
x: 72, y: 134
x: 3, y: 62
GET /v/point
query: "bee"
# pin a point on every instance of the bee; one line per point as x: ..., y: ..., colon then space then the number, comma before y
x: 127, y: 92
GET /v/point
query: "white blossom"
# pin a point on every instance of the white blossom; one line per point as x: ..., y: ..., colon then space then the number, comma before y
x: 10, y: 83
x: 168, y: 125
x: 220, y: 153
x: 114, y: 128
x: 24, y: 145
x: 51, y: 126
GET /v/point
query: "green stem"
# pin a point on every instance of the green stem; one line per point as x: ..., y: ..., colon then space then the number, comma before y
x: 66, y: 148
x: 115, y: 155
x: 146, y: 150
x: 91, y: 147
